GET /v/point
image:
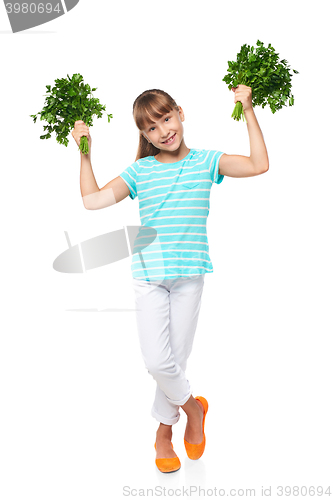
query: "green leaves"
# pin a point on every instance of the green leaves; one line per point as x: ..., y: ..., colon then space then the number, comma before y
x: 68, y: 101
x: 259, y: 68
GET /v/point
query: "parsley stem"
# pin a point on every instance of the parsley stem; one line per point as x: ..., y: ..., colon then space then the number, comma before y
x: 84, y: 147
x: 238, y: 112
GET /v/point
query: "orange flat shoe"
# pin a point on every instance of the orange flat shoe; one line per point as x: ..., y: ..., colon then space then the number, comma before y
x: 194, y: 451
x: 167, y: 464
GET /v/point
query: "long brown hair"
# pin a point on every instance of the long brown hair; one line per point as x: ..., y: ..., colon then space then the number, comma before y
x: 148, y: 106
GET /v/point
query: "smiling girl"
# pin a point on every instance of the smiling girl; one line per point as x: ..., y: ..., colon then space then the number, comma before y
x: 173, y: 184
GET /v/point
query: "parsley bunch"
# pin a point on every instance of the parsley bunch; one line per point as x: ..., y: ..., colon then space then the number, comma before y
x: 260, y: 69
x: 67, y: 102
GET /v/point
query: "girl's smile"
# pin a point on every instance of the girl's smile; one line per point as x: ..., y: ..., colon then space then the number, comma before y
x: 170, y: 140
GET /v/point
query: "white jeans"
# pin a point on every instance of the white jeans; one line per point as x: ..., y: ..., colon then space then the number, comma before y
x: 167, y: 315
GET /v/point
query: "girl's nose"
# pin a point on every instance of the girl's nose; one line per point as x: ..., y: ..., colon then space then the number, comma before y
x: 164, y: 131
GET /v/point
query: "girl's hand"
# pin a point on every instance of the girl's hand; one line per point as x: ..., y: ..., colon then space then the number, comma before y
x: 244, y: 95
x: 80, y: 129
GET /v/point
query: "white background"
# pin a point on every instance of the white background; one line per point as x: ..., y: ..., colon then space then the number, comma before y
x: 75, y: 395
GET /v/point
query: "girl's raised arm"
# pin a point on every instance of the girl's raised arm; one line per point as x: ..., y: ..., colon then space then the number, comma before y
x: 93, y: 197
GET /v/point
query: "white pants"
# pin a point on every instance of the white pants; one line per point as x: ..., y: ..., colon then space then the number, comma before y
x: 167, y: 315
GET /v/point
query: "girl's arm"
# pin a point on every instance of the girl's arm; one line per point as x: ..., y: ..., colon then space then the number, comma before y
x: 257, y: 163
x: 93, y: 197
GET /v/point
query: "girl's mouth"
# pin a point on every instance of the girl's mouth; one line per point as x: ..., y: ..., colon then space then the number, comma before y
x: 170, y: 140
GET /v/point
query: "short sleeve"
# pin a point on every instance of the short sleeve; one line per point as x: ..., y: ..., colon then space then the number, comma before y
x: 129, y: 176
x: 214, y: 158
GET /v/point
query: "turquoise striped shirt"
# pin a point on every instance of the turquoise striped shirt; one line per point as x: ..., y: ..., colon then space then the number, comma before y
x: 174, y: 200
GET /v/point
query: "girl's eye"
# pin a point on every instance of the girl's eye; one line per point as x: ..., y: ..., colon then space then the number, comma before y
x: 152, y: 128
x: 167, y: 118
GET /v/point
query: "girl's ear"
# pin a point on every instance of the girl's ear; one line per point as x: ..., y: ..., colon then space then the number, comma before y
x: 181, y: 113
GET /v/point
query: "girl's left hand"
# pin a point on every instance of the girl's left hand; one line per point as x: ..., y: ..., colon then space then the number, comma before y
x: 244, y: 95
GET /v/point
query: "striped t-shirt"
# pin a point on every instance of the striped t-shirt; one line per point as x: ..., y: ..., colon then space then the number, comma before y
x: 174, y: 200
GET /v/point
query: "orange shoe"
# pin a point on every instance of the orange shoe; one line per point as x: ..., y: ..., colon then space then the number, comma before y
x: 167, y: 464
x: 194, y: 451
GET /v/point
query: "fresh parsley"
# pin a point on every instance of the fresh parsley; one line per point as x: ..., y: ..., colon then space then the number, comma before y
x: 260, y: 69
x: 68, y: 101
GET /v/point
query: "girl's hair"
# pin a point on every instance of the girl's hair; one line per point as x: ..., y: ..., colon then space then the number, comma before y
x: 148, y: 106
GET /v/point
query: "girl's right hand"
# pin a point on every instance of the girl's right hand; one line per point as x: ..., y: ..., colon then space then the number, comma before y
x: 80, y: 129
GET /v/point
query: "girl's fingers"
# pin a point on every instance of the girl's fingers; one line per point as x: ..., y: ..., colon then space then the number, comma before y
x: 81, y: 132
x: 241, y: 94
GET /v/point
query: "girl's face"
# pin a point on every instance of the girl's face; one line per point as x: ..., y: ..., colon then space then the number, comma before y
x: 166, y: 133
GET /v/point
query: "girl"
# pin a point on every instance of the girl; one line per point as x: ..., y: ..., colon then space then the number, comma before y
x: 173, y: 185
